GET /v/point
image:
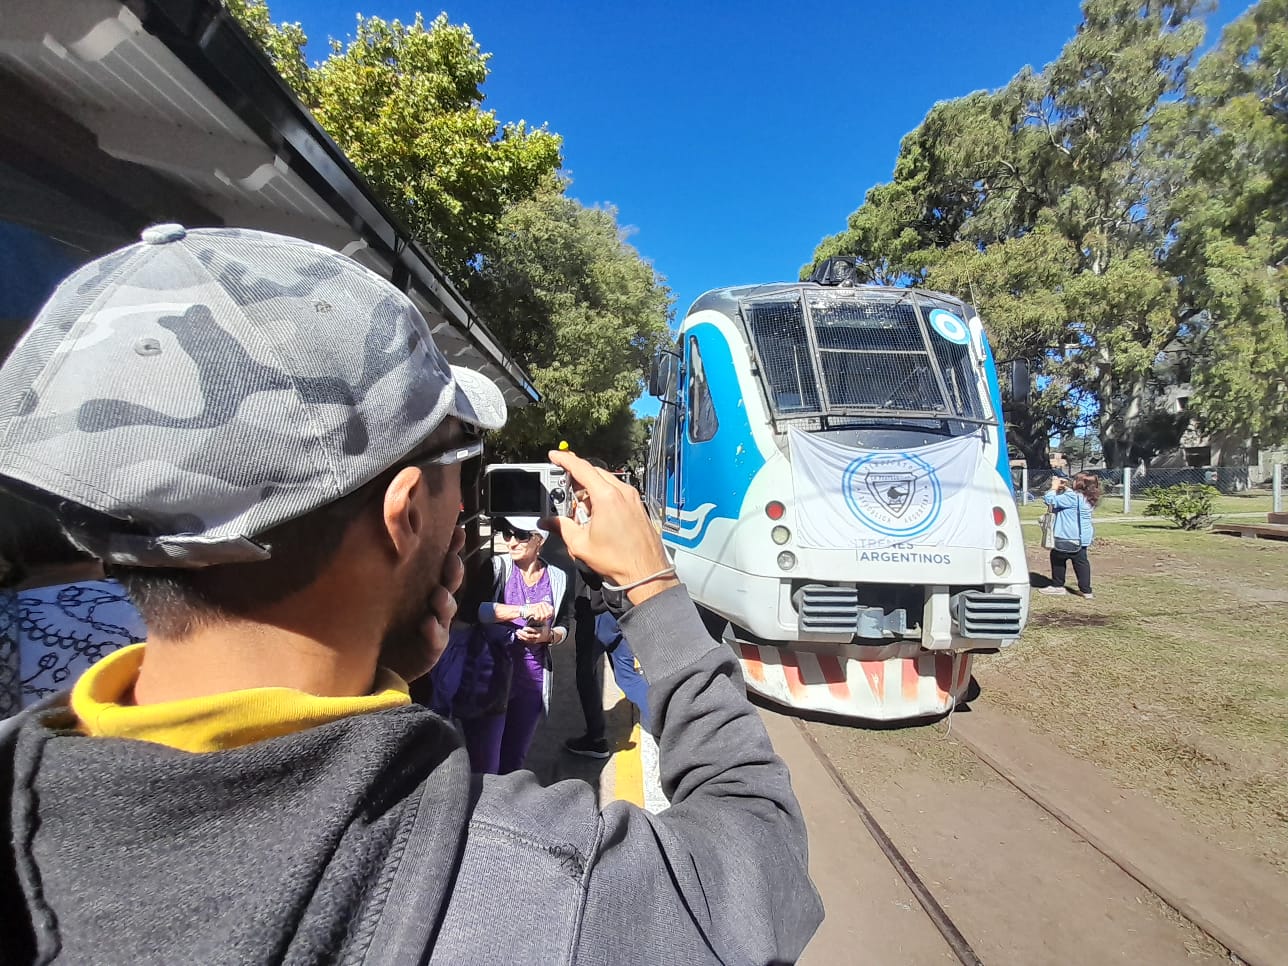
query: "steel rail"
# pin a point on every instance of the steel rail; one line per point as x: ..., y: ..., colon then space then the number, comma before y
x: 942, y: 921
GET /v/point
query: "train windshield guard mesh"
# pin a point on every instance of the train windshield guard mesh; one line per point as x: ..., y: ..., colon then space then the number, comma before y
x: 853, y: 352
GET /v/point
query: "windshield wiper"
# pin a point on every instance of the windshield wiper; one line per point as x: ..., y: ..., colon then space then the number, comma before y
x: 885, y: 422
x: 873, y: 412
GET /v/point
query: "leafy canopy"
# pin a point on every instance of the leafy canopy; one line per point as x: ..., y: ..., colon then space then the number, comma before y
x: 1119, y: 207
x: 576, y: 305
x: 564, y: 290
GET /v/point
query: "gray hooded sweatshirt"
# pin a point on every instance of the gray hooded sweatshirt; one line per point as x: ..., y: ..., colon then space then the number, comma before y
x: 367, y: 840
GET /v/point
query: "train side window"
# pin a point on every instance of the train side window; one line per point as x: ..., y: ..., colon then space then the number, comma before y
x: 702, y: 408
x: 665, y: 425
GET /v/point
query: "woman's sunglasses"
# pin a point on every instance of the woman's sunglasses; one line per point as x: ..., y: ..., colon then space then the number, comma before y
x: 510, y: 533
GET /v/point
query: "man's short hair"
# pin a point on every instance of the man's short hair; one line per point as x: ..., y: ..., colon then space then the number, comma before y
x: 176, y: 601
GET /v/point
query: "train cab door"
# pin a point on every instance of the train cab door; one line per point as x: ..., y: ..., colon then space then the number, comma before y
x: 679, y: 395
x: 666, y: 475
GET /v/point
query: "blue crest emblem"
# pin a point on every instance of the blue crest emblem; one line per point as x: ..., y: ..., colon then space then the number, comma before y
x: 895, y: 494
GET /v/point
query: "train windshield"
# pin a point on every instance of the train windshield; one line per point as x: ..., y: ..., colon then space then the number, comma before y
x: 856, y: 352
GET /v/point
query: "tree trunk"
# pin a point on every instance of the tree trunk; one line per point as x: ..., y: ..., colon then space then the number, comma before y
x: 1026, y: 437
x: 1120, y: 421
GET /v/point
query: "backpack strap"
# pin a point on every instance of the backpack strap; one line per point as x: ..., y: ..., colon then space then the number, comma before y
x: 558, y: 585
x: 502, y: 567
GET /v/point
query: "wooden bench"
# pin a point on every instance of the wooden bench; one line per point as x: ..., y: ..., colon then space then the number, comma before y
x: 1264, y: 531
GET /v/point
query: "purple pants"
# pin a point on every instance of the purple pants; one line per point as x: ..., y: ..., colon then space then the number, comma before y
x: 499, y: 744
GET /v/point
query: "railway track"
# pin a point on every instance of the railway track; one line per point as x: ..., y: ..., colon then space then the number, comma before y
x: 1239, y: 936
x: 957, y: 942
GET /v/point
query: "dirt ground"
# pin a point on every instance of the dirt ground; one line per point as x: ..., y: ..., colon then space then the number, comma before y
x: 1174, y: 679
x: 1022, y: 888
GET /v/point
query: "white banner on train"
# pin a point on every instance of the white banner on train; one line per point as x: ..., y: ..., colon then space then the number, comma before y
x: 849, y: 498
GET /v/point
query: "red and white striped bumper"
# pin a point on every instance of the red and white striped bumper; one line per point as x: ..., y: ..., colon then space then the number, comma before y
x: 885, y: 690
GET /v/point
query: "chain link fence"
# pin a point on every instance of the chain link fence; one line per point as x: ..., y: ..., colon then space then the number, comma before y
x: 1125, y: 490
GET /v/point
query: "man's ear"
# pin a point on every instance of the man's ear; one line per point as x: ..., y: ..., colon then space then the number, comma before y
x: 404, y: 518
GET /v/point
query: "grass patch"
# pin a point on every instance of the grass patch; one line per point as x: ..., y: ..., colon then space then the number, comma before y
x: 1174, y: 678
x: 1253, y: 501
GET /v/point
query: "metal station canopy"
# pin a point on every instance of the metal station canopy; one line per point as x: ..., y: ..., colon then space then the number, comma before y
x: 119, y: 114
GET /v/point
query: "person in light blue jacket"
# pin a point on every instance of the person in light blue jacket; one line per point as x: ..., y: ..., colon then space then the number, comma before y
x: 1074, y: 530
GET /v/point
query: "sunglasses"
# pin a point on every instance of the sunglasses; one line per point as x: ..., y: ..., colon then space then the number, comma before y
x: 511, y: 533
x: 458, y: 453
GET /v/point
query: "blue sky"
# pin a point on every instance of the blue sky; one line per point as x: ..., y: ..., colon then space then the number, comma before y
x: 732, y: 137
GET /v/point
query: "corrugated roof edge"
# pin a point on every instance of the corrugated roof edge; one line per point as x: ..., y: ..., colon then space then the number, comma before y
x: 207, y: 39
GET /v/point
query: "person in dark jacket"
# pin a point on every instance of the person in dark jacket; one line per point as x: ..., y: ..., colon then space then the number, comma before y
x: 597, y: 633
x: 261, y: 440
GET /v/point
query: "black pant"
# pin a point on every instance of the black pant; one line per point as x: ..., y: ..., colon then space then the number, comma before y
x: 1081, y: 568
x: 590, y: 662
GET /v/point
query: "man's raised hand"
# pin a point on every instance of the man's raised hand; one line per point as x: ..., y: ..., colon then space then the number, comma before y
x: 620, y: 542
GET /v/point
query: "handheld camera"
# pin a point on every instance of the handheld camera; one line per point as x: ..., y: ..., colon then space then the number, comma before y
x: 525, y: 490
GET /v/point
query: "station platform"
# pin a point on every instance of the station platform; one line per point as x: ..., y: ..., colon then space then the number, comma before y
x: 868, y: 906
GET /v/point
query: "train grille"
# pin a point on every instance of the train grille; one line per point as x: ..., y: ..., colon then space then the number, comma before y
x: 987, y: 615
x: 828, y: 610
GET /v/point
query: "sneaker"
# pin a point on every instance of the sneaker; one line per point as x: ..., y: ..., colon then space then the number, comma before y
x: 587, y: 747
x: 1053, y: 591
x: 1088, y: 596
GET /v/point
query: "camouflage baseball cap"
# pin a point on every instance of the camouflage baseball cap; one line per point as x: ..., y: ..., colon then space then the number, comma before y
x: 200, y: 387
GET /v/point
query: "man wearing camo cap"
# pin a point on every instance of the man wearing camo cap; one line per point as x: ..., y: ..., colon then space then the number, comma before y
x: 260, y: 439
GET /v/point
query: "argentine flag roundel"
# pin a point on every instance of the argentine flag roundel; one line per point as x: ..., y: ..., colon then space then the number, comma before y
x: 949, y: 326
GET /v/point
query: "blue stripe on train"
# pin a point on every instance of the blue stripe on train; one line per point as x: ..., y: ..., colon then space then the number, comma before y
x: 718, y: 471
x: 995, y: 397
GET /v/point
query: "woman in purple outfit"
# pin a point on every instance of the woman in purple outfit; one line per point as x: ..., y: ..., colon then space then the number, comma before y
x: 531, y: 606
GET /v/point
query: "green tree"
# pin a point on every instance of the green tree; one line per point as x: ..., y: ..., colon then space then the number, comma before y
x: 1232, y: 248
x: 405, y: 103
x: 1046, y: 204
x: 569, y: 298
x: 565, y: 291
x: 284, y: 43
x: 641, y: 437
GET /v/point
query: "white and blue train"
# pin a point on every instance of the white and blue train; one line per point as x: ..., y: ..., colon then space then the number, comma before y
x: 830, y: 472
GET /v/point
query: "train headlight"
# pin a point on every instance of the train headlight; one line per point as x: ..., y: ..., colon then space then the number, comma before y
x: 786, y: 560
x: 999, y: 540
x: 1001, y: 567
x: 780, y: 535
x: 774, y: 510
x: 999, y: 516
